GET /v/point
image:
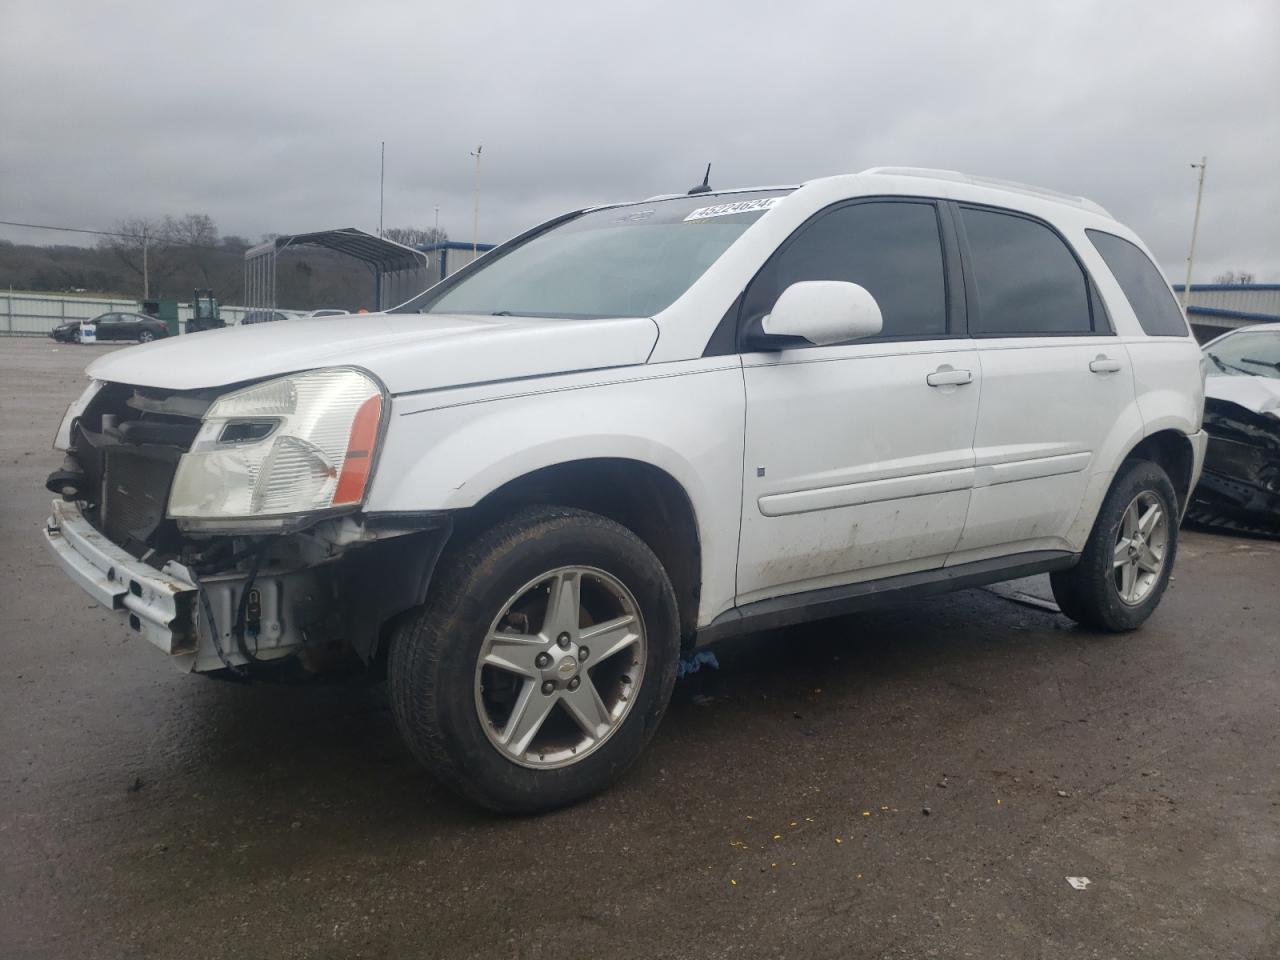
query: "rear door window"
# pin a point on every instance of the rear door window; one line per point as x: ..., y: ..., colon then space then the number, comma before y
x: 1150, y: 297
x: 1028, y: 282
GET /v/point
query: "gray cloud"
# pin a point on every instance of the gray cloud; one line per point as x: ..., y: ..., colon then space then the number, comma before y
x: 267, y: 116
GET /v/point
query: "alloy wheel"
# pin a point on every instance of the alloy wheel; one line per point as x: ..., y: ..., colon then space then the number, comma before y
x: 560, y: 667
x: 1142, y: 544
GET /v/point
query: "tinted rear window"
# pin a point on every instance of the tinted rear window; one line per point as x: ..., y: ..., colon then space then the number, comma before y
x: 1151, y: 298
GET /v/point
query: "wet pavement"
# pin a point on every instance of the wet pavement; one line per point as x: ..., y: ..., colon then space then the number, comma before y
x: 780, y: 811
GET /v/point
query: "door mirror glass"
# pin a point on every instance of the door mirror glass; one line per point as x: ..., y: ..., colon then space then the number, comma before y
x: 824, y: 312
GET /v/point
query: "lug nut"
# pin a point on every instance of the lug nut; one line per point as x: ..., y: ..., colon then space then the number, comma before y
x: 574, y: 683
x: 583, y: 653
x: 563, y: 640
x: 549, y: 687
x: 542, y: 661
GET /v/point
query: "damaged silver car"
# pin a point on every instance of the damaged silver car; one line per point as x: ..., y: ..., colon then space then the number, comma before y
x: 1239, y: 489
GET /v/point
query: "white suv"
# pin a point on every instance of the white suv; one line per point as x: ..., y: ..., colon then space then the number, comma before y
x: 638, y: 429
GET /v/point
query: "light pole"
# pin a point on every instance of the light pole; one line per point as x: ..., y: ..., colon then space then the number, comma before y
x: 146, y: 275
x: 382, y: 181
x: 475, y: 224
x: 1195, y: 227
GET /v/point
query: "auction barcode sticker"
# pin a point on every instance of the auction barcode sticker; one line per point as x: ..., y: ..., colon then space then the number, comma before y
x: 727, y: 209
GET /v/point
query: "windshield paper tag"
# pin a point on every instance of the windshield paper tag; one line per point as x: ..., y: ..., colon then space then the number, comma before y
x: 726, y: 209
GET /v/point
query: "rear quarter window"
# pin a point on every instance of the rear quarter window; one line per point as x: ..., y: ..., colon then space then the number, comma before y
x: 1150, y: 297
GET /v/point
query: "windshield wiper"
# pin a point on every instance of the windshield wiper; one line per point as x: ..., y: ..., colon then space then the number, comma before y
x: 502, y: 313
x: 1261, y: 363
x: 1227, y: 367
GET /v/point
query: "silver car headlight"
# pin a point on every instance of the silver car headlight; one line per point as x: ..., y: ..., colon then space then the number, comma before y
x: 273, y: 455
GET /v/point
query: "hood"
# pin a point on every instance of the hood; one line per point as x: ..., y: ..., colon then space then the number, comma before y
x: 407, y: 351
x: 1259, y: 394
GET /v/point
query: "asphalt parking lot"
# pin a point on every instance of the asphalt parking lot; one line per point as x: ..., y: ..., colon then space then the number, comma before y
x: 780, y: 812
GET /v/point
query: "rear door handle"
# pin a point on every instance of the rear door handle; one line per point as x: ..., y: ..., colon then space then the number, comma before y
x: 947, y: 376
x: 1105, y: 365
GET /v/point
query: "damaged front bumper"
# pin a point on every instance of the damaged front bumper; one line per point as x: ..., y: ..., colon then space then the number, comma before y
x: 294, y: 610
x: 160, y: 604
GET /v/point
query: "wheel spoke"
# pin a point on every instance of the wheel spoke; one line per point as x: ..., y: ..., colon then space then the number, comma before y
x: 1120, y: 556
x: 563, y: 605
x: 586, y: 707
x: 1148, y: 521
x: 526, y: 719
x: 606, y: 639
x: 1129, y: 526
x: 1149, y: 560
x: 514, y: 652
x: 1128, y: 580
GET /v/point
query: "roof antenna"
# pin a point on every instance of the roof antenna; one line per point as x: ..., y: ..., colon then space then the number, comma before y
x: 705, y: 185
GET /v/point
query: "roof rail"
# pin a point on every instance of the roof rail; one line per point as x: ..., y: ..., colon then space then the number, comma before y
x: 957, y: 177
x: 719, y: 190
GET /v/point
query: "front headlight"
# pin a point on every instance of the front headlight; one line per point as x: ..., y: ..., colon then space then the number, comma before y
x: 272, y: 455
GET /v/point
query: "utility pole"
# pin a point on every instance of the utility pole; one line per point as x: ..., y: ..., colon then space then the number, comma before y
x: 475, y: 224
x: 146, y: 276
x: 1195, y: 227
x: 436, y: 238
x: 382, y: 181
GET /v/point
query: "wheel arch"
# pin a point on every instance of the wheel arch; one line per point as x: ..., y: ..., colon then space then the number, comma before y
x: 1173, y: 451
x: 644, y: 498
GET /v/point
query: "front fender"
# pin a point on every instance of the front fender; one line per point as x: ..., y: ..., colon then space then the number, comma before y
x: 449, y: 450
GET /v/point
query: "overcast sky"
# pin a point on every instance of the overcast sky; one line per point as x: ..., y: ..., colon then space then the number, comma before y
x: 268, y: 115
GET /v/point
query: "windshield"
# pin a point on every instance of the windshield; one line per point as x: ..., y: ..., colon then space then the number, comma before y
x: 1248, y: 353
x: 628, y: 261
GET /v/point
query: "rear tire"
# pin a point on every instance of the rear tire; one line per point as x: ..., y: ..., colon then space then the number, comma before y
x: 1129, y: 556
x: 146, y: 336
x: 471, y: 672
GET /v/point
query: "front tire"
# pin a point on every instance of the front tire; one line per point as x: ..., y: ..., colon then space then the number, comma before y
x: 1128, y: 558
x: 541, y: 663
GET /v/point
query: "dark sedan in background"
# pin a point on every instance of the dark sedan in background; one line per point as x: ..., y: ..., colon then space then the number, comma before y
x: 114, y: 326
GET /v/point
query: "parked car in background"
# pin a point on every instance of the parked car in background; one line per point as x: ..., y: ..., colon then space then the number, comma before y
x: 68, y: 332
x: 1239, y: 489
x: 639, y: 429
x: 263, y: 316
x: 272, y: 316
x: 114, y: 326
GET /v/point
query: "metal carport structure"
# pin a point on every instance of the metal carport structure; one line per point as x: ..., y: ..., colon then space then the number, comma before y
x: 398, y: 272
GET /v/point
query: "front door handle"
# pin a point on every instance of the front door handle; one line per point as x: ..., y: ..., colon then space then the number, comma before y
x: 1104, y: 364
x: 948, y: 376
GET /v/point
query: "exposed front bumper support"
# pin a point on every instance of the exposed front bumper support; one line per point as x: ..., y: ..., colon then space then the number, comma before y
x: 159, y: 603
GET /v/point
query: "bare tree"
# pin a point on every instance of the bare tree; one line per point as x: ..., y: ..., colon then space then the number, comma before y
x: 197, y: 236
x: 191, y: 230
x: 154, y: 250
x: 140, y: 245
x: 1234, y: 277
x: 415, y: 236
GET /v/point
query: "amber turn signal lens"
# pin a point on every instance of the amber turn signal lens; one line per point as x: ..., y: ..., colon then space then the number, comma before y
x: 359, y: 458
